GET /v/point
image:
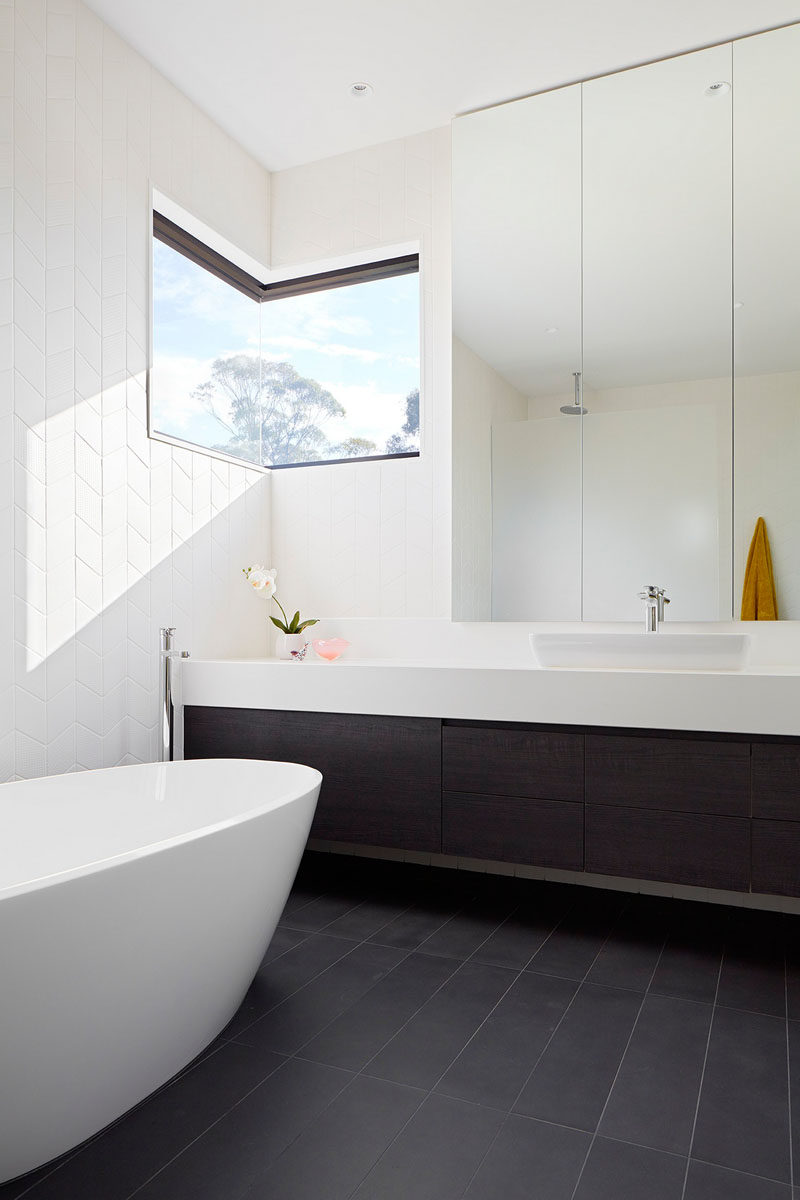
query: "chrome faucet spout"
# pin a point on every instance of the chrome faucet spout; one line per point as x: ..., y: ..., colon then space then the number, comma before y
x: 655, y: 599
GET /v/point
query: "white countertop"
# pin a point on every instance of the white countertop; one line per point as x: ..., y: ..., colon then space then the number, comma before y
x: 763, y: 699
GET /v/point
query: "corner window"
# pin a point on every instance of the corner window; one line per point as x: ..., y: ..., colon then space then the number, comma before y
x: 317, y: 369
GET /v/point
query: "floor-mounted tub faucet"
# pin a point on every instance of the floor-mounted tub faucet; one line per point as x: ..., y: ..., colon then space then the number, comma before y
x: 166, y: 708
x: 655, y: 599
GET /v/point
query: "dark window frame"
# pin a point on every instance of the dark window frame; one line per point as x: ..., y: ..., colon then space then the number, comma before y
x: 217, y: 264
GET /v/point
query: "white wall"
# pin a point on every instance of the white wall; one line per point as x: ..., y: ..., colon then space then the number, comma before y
x: 657, y: 505
x: 373, y: 539
x: 536, y: 520
x: 481, y: 397
x: 104, y: 535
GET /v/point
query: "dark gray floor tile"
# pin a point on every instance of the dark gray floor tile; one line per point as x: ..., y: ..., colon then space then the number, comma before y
x: 16, y: 1188
x: 413, y: 927
x: 301, y: 1016
x: 425, y: 1047
x: 435, y: 1155
x: 631, y: 953
x: 318, y: 913
x: 451, y: 887
x: 793, y: 967
x: 368, y: 918
x: 617, y: 1171
x: 654, y: 1097
x: 468, y: 929
x: 573, y: 946
x: 521, y: 935
x: 282, y: 940
x: 364, y: 1028
x: 299, y: 897
x: 707, y: 1182
x: 753, y: 969
x: 689, y: 965
x: 224, y: 1163
x: 494, y: 1065
x: 223, y: 1134
x: 133, y: 1149
x: 794, y: 1081
x: 317, y: 869
x: 743, y: 1119
x: 277, y: 980
x: 694, y: 916
x: 571, y: 1082
x: 530, y: 1159
x: 335, y: 1153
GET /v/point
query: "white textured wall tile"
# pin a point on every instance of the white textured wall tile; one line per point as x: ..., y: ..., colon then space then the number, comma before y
x: 104, y: 535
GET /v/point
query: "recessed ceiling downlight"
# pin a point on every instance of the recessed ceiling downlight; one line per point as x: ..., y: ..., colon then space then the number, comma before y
x: 720, y: 88
x: 360, y: 90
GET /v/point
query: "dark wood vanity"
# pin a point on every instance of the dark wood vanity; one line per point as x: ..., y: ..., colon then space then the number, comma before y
x: 711, y: 810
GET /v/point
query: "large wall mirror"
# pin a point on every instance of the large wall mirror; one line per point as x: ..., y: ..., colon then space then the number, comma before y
x: 626, y: 339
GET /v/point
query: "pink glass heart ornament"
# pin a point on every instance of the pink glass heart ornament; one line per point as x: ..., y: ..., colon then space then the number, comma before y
x: 329, y: 648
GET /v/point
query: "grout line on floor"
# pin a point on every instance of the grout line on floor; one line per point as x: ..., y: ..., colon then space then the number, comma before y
x: 222, y: 1116
x: 511, y: 1112
x: 362, y: 1071
x: 616, y: 1073
x: 432, y: 1090
x: 735, y: 1171
x: 353, y: 947
x: 352, y: 1075
x: 703, y: 1074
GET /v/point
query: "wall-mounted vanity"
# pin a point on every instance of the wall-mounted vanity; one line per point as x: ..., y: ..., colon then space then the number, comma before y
x: 685, y: 778
x: 626, y: 354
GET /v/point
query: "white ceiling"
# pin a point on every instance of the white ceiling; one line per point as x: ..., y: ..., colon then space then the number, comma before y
x: 276, y: 76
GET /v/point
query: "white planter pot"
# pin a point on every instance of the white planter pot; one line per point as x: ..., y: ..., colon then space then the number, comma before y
x: 285, y: 643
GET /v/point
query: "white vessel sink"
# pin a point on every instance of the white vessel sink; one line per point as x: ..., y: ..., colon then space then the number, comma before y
x: 642, y: 651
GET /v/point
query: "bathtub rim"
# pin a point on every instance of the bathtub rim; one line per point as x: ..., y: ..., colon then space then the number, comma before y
x: 313, y: 779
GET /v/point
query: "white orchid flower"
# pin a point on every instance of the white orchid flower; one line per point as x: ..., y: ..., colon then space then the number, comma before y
x: 261, y: 580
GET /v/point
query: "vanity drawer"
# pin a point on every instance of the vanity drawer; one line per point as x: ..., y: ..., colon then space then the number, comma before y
x: 498, y: 761
x: 545, y: 833
x: 776, y: 781
x: 776, y: 857
x: 670, y: 774
x: 381, y: 775
x: 686, y: 848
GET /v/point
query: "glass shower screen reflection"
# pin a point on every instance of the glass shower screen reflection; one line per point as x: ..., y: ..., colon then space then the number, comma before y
x: 516, y: 352
x: 657, y: 353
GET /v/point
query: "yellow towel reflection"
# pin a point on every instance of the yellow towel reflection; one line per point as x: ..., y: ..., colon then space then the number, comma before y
x: 759, y: 602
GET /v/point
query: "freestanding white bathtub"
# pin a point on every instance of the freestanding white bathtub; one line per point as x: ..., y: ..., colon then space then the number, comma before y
x: 135, y: 906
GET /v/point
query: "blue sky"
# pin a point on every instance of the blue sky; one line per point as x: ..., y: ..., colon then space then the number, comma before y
x: 361, y: 343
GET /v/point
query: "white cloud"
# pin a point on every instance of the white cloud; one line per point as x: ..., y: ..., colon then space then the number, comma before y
x: 289, y: 342
x: 370, y: 412
x: 173, y: 379
x: 186, y: 292
x: 354, y: 325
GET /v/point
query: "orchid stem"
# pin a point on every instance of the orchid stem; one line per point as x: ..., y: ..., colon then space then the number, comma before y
x: 285, y: 618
